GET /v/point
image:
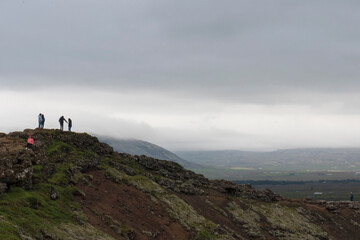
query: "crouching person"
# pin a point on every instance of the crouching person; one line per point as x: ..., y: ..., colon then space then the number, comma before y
x: 30, y: 142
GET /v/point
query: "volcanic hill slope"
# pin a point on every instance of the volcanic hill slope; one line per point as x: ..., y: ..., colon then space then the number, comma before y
x: 139, y: 147
x: 71, y: 186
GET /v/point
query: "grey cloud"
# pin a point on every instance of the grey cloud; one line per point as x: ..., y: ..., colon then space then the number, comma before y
x: 236, y: 50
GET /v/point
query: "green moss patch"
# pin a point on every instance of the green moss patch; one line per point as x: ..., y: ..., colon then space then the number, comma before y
x: 142, y: 183
x: 8, y: 230
x: 288, y: 223
x: 34, y: 210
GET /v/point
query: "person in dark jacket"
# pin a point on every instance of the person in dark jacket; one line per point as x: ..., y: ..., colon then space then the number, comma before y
x: 43, y: 121
x: 61, y: 121
x: 351, y: 196
x: 69, y: 124
x: 40, y: 118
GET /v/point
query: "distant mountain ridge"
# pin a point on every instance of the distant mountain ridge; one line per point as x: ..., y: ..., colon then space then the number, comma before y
x: 288, y: 159
x: 140, y: 147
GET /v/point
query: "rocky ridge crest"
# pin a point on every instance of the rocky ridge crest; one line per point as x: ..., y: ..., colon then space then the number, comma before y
x: 64, y: 180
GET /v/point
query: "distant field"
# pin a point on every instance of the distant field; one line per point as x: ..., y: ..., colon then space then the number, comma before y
x: 317, y: 159
x: 328, y: 185
x: 320, y: 190
x: 242, y: 168
x: 241, y: 173
x: 324, y: 174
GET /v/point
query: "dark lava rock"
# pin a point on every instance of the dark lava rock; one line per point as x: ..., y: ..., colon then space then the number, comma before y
x: 16, y: 169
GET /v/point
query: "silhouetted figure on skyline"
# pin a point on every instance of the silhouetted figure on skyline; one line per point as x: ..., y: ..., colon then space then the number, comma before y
x: 69, y: 124
x: 41, y: 119
x: 61, y: 121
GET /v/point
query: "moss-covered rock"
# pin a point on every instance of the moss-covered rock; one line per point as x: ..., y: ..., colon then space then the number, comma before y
x: 119, y: 228
x: 142, y: 183
x: 288, y: 223
x: 75, y: 232
x: 248, y: 219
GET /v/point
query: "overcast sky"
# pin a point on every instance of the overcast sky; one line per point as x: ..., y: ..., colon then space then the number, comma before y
x: 203, y: 74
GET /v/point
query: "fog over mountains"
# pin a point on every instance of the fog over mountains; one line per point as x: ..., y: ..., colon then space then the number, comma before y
x: 316, y: 159
x: 139, y: 147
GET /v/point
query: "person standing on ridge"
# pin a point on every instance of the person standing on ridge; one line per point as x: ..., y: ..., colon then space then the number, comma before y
x: 29, y: 143
x: 61, y: 121
x: 351, y: 196
x: 43, y: 121
x: 40, y: 119
x: 69, y: 124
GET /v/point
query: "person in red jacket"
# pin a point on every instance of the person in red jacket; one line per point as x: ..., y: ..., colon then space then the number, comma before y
x: 30, y: 142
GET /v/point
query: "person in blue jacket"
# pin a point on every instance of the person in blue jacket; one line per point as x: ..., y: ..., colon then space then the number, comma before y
x: 40, y: 119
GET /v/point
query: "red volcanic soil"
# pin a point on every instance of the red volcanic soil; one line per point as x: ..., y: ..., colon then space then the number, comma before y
x: 129, y: 207
x: 149, y: 219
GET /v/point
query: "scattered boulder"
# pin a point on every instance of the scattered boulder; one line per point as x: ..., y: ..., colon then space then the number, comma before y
x: 166, y: 182
x: 186, y: 188
x: 16, y: 169
x: 118, y: 166
x: 53, y: 194
x: 148, y: 163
